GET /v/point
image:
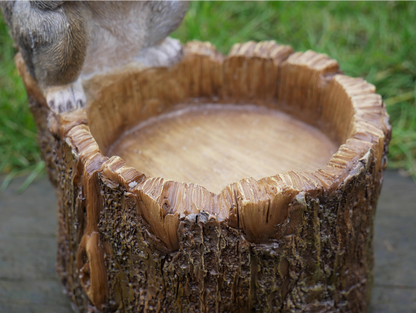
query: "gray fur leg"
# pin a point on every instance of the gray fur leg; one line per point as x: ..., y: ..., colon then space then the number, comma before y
x: 167, y: 53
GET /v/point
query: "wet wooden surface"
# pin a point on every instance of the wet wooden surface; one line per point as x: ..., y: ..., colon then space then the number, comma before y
x: 28, y: 282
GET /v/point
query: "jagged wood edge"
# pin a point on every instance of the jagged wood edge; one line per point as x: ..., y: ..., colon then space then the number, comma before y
x: 370, y: 131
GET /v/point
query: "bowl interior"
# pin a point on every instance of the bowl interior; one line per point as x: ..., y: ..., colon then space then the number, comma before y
x: 213, y: 121
x: 214, y: 145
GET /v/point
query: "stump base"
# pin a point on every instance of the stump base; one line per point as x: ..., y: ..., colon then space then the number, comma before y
x: 293, y: 242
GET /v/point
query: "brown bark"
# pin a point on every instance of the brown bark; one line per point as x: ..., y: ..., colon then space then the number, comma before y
x: 293, y: 242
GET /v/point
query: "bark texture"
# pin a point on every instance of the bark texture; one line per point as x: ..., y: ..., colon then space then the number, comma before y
x: 292, y: 242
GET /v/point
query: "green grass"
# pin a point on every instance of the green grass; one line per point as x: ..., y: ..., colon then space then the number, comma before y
x: 371, y: 40
x: 19, y: 152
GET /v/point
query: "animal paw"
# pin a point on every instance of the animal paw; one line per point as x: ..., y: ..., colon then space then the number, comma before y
x: 66, y: 98
x: 167, y: 53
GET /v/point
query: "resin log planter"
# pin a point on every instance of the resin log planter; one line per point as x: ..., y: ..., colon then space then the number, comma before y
x: 222, y: 184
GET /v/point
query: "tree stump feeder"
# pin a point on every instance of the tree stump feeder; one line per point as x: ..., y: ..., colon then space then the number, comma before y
x: 222, y: 184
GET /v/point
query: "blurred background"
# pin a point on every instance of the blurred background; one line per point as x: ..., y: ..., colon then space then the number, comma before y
x: 373, y: 40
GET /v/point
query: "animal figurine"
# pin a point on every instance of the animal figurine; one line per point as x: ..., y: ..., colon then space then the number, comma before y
x: 64, y: 42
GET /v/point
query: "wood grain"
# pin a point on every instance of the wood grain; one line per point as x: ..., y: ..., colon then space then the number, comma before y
x: 214, y: 145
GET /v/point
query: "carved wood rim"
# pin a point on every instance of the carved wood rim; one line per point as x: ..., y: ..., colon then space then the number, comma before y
x: 259, y: 207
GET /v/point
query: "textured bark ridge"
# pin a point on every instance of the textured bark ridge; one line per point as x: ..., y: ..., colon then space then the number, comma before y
x: 292, y: 242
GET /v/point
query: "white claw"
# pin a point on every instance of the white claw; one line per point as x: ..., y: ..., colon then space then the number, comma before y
x: 66, y: 98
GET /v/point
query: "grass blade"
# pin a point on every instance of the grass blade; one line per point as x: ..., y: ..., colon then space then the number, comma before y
x: 38, y: 168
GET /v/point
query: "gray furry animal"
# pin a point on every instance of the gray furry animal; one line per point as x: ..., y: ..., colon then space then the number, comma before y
x: 64, y: 42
